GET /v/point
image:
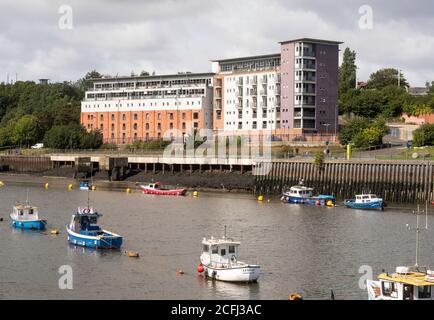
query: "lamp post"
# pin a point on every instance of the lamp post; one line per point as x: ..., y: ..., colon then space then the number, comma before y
x: 327, y: 125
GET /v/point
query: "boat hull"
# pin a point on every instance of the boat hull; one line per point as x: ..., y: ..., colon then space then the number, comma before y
x: 97, y: 242
x: 374, y: 205
x: 35, y: 224
x: 171, y: 192
x: 318, y: 201
x: 246, y: 273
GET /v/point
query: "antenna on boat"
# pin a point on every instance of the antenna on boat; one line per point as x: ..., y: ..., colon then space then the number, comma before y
x: 27, y: 196
x: 418, y: 229
x: 225, y: 231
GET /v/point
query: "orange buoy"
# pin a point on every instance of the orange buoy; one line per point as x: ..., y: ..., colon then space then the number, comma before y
x: 200, y: 268
x: 133, y: 254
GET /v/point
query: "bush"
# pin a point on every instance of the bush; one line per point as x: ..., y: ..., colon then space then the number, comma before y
x: 72, y: 136
x: 424, y: 135
x: 364, y: 133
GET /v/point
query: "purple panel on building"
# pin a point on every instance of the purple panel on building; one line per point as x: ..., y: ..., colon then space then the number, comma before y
x: 287, y: 85
x: 327, y: 63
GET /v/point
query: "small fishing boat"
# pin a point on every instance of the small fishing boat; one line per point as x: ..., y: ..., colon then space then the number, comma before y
x: 219, y: 261
x: 26, y: 216
x: 84, y: 185
x: 83, y: 230
x: 366, y: 201
x: 158, y: 189
x: 304, y: 195
x: 407, y: 282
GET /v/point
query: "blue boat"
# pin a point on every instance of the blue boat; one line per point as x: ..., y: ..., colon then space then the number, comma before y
x: 84, y: 185
x: 85, y: 231
x: 26, y: 216
x: 304, y: 195
x: 366, y: 201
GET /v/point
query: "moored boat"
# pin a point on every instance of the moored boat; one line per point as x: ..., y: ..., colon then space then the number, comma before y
x: 26, y: 216
x: 366, y: 201
x: 219, y: 261
x: 158, y: 189
x: 304, y: 195
x: 83, y: 230
x: 407, y: 282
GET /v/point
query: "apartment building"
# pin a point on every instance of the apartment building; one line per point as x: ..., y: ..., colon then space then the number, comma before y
x: 127, y: 109
x: 247, y: 93
x: 294, y: 91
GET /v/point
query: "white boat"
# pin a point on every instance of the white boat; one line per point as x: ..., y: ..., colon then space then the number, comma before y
x: 406, y: 283
x: 219, y: 261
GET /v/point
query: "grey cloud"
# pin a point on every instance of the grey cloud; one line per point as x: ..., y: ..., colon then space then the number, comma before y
x: 116, y: 37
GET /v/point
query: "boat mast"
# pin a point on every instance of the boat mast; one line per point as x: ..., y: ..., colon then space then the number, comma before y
x: 418, y: 229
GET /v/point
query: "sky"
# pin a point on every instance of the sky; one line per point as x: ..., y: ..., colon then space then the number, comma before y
x: 63, y: 40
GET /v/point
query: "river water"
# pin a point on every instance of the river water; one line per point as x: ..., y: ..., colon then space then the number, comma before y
x: 303, y: 249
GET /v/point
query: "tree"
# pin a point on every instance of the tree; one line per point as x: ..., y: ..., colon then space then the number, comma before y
x: 347, y: 71
x: 386, y: 77
x: 26, y: 131
x: 86, y: 82
x: 424, y: 135
x: 144, y: 73
x: 363, y: 132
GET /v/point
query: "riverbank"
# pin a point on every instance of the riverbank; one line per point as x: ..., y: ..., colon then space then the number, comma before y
x: 202, y: 181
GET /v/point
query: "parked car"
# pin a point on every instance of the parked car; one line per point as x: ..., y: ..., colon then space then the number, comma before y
x: 38, y: 146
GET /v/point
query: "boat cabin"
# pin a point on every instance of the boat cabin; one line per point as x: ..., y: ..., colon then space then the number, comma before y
x: 364, y: 198
x: 156, y: 185
x: 86, y: 219
x: 301, y: 191
x: 223, y: 251
x: 25, y: 212
x: 406, y: 283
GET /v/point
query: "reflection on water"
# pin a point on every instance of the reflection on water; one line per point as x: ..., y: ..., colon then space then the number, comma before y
x: 309, y: 250
x: 227, y: 290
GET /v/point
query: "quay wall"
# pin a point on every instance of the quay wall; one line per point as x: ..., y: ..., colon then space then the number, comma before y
x: 404, y: 181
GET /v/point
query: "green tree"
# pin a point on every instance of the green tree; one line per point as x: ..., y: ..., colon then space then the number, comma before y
x: 26, y: 131
x: 86, y: 82
x: 363, y: 132
x: 347, y: 71
x: 386, y: 77
x: 424, y: 135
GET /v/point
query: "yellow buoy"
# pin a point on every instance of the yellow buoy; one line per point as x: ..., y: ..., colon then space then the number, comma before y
x: 46, y: 185
x: 128, y: 190
x: 260, y: 198
x: 330, y: 203
x: 93, y: 188
x: 295, y: 296
x: 1, y: 184
x: 133, y: 254
x: 70, y: 186
x: 54, y: 231
x: 195, y: 194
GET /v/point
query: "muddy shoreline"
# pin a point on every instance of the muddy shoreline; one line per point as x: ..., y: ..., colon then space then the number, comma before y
x: 206, y: 181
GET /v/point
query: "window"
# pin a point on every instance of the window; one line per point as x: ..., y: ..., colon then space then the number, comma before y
x: 171, y: 125
x: 183, y: 126
x: 147, y: 116
x: 113, y: 127
x: 205, y: 248
x: 215, y: 250
x: 159, y: 116
x: 195, y: 115
x: 183, y: 116
x: 231, y: 249
x: 159, y: 126
x: 171, y: 116
x: 113, y: 117
x: 223, y: 252
x: 424, y: 292
x: 135, y: 126
x: 124, y: 117
x: 123, y: 126
x: 135, y: 116
x: 101, y: 117
x: 389, y: 289
x: 147, y: 126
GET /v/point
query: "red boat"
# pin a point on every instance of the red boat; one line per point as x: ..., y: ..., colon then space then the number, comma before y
x: 156, y: 188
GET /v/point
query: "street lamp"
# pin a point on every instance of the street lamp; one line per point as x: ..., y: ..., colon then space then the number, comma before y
x: 327, y: 125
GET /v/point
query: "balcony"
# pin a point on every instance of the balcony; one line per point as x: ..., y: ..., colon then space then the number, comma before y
x: 254, y: 80
x: 239, y: 105
x: 254, y: 92
x: 240, y: 115
x: 254, y: 104
x: 264, y: 80
x: 240, y: 93
x: 278, y: 79
x: 263, y: 92
x: 240, y: 82
x: 218, y: 83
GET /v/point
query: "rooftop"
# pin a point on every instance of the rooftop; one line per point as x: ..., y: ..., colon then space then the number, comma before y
x: 264, y: 56
x: 155, y: 77
x: 312, y: 41
x: 413, y: 278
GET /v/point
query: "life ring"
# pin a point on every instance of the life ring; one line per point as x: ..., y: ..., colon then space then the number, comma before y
x: 86, y: 210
